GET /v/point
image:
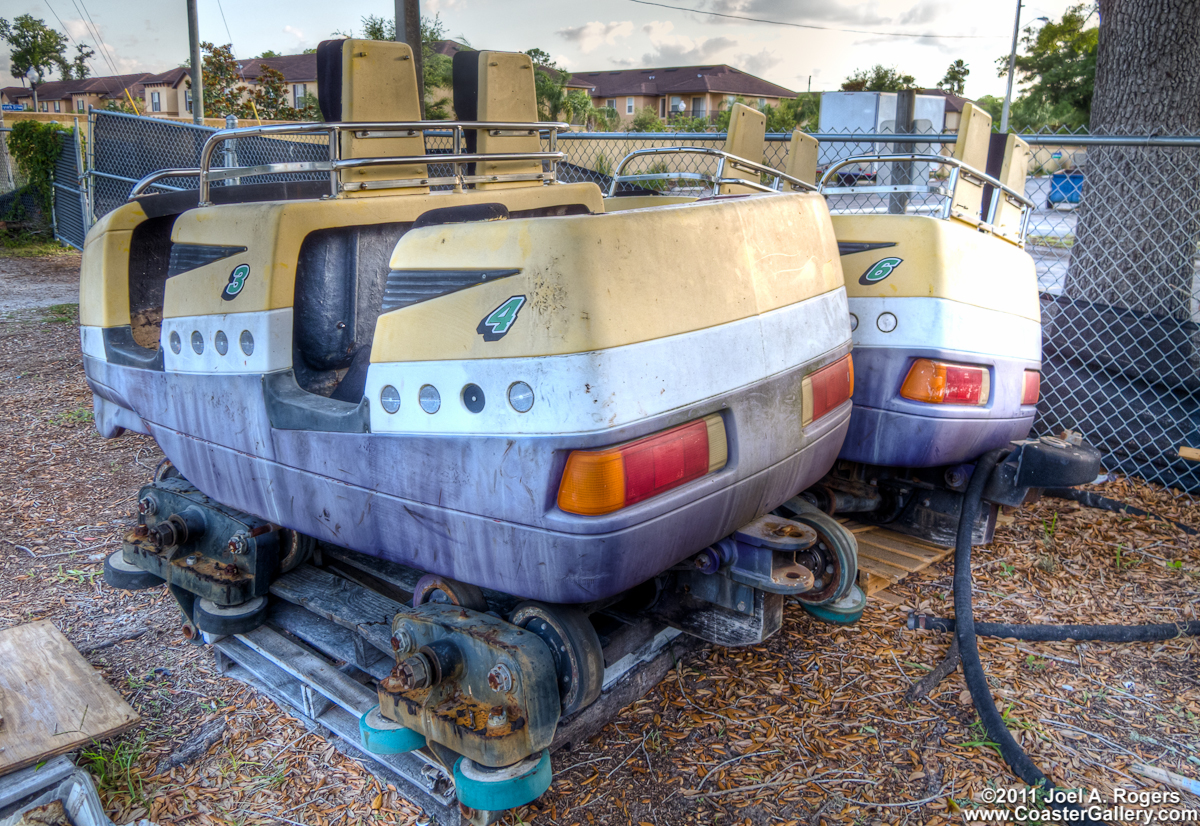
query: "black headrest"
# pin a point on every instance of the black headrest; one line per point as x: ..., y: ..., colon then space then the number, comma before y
x: 466, y: 91
x: 329, y: 80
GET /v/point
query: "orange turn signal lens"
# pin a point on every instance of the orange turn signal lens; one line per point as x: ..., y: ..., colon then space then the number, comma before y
x: 940, y: 382
x: 1031, y: 392
x: 827, y: 389
x: 596, y: 482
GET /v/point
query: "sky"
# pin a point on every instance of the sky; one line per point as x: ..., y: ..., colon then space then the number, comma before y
x: 151, y: 35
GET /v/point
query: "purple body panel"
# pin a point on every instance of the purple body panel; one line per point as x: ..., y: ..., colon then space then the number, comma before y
x: 888, y: 430
x: 477, y: 508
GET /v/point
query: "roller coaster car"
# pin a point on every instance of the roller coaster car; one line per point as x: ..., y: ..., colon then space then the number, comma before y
x: 943, y: 302
x: 947, y: 332
x: 456, y: 363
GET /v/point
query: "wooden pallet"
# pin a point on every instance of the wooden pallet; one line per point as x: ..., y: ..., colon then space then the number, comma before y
x: 886, y: 557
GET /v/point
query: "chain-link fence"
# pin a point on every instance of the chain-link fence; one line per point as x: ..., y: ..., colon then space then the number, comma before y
x: 1114, y: 236
x: 17, y: 200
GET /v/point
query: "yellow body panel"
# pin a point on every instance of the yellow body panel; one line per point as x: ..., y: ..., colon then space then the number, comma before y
x: 273, y: 232
x: 974, y: 134
x: 507, y: 94
x: 594, y: 282
x: 746, y: 139
x: 802, y: 157
x: 104, y: 271
x: 1013, y: 170
x: 941, y: 259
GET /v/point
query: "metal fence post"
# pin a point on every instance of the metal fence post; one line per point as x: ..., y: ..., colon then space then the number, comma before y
x: 231, y: 153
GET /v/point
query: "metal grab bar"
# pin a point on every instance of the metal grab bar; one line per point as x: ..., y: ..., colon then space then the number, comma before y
x: 957, y: 168
x: 716, y: 180
x: 371, y: 130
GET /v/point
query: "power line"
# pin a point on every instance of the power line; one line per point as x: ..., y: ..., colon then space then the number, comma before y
x: 64, y: 25
x: 819, y: 28
x: 95, y: 30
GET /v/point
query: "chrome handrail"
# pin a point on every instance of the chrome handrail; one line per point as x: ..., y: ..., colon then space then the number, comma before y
x: 717, y: 180
x: 373, y: 130
x: 958, y: 168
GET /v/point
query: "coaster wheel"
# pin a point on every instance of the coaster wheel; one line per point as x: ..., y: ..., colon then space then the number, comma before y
x: 434, y: 588
x: 508, y: 787
x: 294, y: 549
x: 225, y: 620
x: 834, y: 557
x: 166, y: 470
x: 126, y: 577
x: 846, y: 611
x: 574, y: 645
x: 383, y: 736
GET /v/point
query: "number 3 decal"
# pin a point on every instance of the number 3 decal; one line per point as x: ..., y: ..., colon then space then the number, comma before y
x: 500, y: 320
x: 237, y: 280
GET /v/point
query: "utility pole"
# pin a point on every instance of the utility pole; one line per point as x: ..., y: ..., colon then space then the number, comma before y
x: 408, y: 30
x: 197, y: 72
x: 1012, y: 62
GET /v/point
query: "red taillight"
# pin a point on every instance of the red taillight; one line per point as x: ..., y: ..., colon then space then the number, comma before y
x: 596, y: 482
x: 939, y: 382
x: 1033, y: 387
x: 827, y: 389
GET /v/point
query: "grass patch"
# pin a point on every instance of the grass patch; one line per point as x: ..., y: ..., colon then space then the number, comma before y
x: 30, y: 245
x: 1062, y: 242
x: 115, y: 768
x: 62, y: 313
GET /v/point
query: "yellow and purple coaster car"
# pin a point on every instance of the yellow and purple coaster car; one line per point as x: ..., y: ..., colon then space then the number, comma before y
x: 459, y: 363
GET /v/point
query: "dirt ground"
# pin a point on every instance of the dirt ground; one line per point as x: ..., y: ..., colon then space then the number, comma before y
x: 810, y: 727
x: 39, y: 281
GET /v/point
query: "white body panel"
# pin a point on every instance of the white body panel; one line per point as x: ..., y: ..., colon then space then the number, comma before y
x: 939, y: 323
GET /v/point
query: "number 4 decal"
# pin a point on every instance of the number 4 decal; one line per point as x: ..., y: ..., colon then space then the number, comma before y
x: 500, y: 320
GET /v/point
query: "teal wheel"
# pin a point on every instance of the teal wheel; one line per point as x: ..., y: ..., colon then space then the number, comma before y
x: 508, y: 787
x: 383, y: 736
x: 845, y: 611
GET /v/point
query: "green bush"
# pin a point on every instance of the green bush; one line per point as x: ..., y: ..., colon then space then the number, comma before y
x: 35, y: 147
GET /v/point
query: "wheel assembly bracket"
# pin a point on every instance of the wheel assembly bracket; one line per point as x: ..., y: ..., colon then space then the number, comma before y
x: 472, y: 682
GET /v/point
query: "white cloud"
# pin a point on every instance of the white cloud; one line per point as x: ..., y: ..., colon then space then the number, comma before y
x: 680, y: 50
x: 592, y: 35
x: 294, y: 32
x: 758, y: 64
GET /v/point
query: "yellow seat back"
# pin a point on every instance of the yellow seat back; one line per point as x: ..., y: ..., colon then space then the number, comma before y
x: 498, y: 87
x: 747, y: 138
x: 974, y: 133
x: 802, y: 157
x: 372, y: 80
x: 1013, y: 170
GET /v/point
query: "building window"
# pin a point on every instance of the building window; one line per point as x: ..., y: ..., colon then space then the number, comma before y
x: 629, y: 106
x: 698, y: 107
x: 662, y: 107
x: 43, y: 105
x: 676, y: 105
x: 611, y: 103
x: 155, y: 101
x: 57, y: 106
x: 299, y: 92
x: 187, y: 98
x: 762, y: 102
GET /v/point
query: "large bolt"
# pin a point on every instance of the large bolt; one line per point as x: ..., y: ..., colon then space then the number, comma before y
x: 401, y: 642
x: 147, y: 506
x: 500, y: 678
x: 238, y: 544
x: 497, y: 718
x: 412, y: 673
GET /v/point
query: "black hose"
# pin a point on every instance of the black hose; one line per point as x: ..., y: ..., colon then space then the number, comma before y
x: 1094, y: 500
x: 968, y: 649
x: 1060, y: 633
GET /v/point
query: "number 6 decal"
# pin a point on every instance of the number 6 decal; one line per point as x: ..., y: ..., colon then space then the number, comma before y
x: 500, y: 320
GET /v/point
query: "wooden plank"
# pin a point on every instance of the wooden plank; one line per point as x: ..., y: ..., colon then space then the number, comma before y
x: 51, y: 698
x: 878, y: 567
x: 905, y: 563
x: 1192, y: 454
x: 310, y: 669
x: 870, y: 583
x: 341, y: 601
x: 905, y: 546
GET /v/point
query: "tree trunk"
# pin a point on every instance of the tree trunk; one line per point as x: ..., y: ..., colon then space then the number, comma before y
x: 1139, y: 219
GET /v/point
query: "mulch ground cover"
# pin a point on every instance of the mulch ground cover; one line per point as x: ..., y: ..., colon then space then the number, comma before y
x: 810, y: 727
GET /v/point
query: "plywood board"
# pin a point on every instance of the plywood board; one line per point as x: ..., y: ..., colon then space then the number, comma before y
x: 886, y: 557
x: 51, y: 698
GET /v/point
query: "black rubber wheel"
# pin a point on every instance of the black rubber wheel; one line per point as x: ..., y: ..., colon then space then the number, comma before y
x: 294, y: 549
x: 574, y: 645
x: 223, y: 620
x: 434, y: 588
x: 836, y: 548
x: 121, y: 575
